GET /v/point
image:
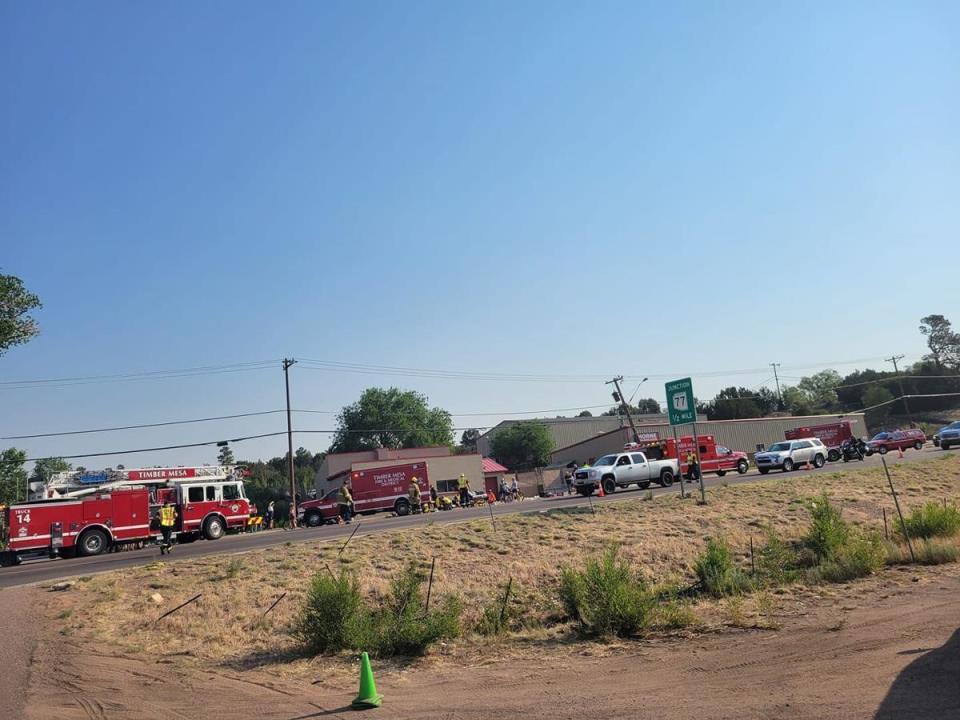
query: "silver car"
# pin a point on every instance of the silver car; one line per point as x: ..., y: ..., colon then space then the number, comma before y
x: 789, y: 454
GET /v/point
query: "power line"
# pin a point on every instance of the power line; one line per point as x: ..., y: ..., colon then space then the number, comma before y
x: 54, y: 383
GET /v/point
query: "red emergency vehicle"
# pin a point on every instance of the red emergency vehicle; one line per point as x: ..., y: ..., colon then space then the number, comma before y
x: 373, y: 490
x: 713, y: 458
x: 89, y: 513
x: 831, y: 434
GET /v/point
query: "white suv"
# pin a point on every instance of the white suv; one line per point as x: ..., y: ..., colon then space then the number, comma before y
x: 789, y: 454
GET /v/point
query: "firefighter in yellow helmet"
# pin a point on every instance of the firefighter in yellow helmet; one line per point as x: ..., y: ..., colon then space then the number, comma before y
x: 413, y: 494
x: 168, y: 518
x: 464, y: 487
x: 693, y: 467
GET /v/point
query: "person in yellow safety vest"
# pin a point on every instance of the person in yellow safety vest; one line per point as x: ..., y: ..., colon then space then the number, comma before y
x: 464, y: 488
x: 345, y: 503
x: 168, y: 518
x: 413, y: 493
x: 693, y: 467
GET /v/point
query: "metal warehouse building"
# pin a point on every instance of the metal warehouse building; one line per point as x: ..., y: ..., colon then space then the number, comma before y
x: 567, y: 431
x: 735, y: 434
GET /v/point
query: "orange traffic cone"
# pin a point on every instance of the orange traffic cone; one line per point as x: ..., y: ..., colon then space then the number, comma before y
x: 600, y: 492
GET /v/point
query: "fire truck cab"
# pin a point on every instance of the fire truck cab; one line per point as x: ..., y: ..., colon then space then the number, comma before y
x: 713, y: 458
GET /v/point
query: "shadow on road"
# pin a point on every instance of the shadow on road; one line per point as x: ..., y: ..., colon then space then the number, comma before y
x: 929, y: 687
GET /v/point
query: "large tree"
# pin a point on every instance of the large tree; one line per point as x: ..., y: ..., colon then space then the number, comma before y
x: 468, y: 441
x: 644, y: 406
x: 13, y: 478
x: 523, y: 446
x: 391, y: 418
x: 820, y: 389
x: 873, y: 396
x: 16, y: 326
x: 45, y: 467
x: 943, y: 342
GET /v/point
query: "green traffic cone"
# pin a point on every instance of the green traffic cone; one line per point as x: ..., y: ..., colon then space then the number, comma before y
x: 368, y: 696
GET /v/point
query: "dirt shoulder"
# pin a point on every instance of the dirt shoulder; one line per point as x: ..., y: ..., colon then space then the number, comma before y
x: 19, y: 629
x: 886, y: 647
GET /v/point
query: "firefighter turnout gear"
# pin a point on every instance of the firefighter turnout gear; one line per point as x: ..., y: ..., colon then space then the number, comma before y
x: 345, y: 504
x: 464, y: 488
x: 168, y: 518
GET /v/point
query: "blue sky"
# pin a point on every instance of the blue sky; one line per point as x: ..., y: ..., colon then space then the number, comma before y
x: 545, y: 188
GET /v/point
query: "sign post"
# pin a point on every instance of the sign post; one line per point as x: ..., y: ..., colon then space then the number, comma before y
x: 682, y: 410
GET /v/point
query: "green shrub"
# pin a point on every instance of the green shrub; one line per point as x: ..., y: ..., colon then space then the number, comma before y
x: 777, y: 562
x: 673, y: 615
x: 861, y: 555
x: 605, y: 598
x: 498, y: 615
x: 928, y: 552
x: 828, y: 531
x: 233, y: 568
x: 333, y: 616
x: 717, y: 573
x: 932, y: 520
x: 401, y: 626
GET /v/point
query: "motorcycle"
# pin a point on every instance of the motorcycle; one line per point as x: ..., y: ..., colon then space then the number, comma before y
x: 853, y: 449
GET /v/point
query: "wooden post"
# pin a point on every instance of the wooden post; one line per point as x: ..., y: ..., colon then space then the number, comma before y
x: 181, y: 605
x: 896, y: 501
x: 282, y: 596
x: 886, y: 530
x: 753, y: 564
x: 506, y: 597
x: 349, y: 539
x: 426, y: 607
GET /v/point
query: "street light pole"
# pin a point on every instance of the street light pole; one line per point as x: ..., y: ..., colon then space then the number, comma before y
x: 293, y: 482
x: 777, y: 380
x: 903, y: 396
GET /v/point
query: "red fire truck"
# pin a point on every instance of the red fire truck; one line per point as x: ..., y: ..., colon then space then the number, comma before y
x: 713, y: 458
x: 83, y: 513
x: 373, y: 490
x: 831, y: 434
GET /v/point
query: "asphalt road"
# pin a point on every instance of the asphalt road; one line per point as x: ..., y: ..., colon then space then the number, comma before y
x: 36, y: 571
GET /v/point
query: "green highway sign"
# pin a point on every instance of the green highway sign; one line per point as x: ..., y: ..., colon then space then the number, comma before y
x: 680, y: 405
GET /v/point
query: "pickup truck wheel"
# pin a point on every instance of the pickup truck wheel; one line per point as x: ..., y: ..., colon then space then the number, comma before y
x: 743, y: 466
x: 585, y: 490
x: 918, y: 445
x: 721, y: 473
x: 788, y: 465
x: 213, y: 528
x: 666, y: 478
x: 609, y: 486
x: 402, y: 507
x: 818, y: 461
x: 92, y: 542
x: 643, y: 485
x: 883, y: 450
x: 313, y: 518
x: 833, y: 455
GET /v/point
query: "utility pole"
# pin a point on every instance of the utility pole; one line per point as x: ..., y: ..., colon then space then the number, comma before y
x: 777, y: 380
x: 903, y: 396
x: 293, y: 482
x: 618, y: 395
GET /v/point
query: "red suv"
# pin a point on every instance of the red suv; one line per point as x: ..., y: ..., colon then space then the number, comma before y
x: 896, y: 440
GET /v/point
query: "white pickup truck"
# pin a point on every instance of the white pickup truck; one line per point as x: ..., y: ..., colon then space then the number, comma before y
x: 622, y: 470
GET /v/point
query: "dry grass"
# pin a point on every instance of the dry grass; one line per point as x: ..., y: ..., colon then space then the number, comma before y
x: 662, y: 538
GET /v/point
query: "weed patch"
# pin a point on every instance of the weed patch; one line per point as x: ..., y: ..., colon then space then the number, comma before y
x: 717, y: 573
x: 932, y: 520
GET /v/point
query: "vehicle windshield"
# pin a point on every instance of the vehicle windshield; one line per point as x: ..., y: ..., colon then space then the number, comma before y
x: 881, y: 436
x: 605, y: 460
x: 953, y: 426
x: 779, y: 447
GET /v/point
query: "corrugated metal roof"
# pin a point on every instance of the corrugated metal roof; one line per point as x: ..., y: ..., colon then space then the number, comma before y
x: 492, y: 466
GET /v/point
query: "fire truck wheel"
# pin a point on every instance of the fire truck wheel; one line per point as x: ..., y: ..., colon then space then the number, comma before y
x: 92, y: 542
x: 743, y: 466
x: 402, y: 507
x: 213, y: 528
x: 313, y: 519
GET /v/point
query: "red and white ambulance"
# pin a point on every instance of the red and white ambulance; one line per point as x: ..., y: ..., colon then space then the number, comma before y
x: 373, y: 490
x: 89, y: 513
x: 713, y: 458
